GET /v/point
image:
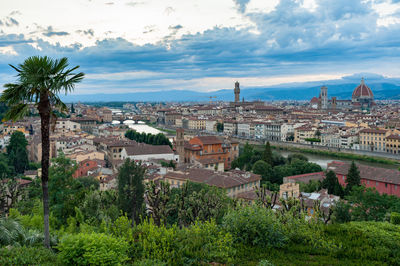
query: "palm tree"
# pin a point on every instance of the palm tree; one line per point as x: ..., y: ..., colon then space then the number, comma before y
x: 39, y: 81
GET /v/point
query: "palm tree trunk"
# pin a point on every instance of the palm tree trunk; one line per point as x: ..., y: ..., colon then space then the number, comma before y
x: 44, y: 111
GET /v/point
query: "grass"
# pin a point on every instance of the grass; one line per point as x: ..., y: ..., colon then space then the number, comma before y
x: 292, y: 255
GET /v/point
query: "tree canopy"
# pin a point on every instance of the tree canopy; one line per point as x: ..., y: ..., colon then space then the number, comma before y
x: 17, y: 152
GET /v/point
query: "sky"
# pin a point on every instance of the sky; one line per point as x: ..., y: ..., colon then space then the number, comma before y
x: 203, y: 45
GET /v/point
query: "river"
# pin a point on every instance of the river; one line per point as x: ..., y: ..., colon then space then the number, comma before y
x: 324, y: 160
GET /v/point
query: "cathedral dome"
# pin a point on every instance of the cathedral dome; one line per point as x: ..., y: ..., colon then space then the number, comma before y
x: 314, y: 100
x: 362, y: 91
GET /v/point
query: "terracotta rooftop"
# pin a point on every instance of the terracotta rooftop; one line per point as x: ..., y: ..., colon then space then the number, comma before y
x: 228, y: 179
x: 144, y: 149
x: 393, y: 137
x: 368, y: 172
x: 206, y: 140
x: 371, y: 130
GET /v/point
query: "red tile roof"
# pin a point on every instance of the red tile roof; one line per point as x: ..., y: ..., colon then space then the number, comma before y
x: 368, y: 172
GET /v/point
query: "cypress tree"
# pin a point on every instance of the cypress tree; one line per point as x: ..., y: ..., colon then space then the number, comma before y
x: 267, y: 154
x: 353, y: 177
x: 331, y: 183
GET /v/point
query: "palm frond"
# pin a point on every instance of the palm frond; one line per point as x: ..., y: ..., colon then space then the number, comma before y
x: 36, y: 76
x: 16, y: 112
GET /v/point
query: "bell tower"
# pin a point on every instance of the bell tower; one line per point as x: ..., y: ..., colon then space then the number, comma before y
x: 237, y: 92
x: 324, y: 97
x: 180, y: 144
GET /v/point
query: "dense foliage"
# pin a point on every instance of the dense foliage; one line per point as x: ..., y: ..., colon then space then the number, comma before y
x: 366, y: 204
x: 131, y: 189
x: 272, y: 166
x: 193, y: 225
x: 159, y: 139
x: 17, y: 153
x: 92, y: 249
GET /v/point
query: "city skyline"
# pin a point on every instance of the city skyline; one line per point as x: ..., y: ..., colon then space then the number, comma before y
x: 132, y: 46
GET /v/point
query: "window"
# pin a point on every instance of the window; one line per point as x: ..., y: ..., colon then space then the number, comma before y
x: 386, y: 185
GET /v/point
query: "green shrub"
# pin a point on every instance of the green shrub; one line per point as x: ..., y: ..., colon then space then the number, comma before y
x: 155, y: 242
x: 205, y: 242
x: 305, y: 235
x: 395, y: 218
x: 255, y: 226
x: 92, y: 249
x: 27, y: 256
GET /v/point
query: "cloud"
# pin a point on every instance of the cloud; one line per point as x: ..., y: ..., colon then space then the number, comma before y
x: 89, y: 32
x: 149, y: 29
x: 333, y: 38
x: 133, y: 3
x: 169, y: 10
x: 9, y: 22
x: 109, y: 3
x: 241, y: 5
x: 49, y: 32
x: 176, y: 27
x: 15, y: 12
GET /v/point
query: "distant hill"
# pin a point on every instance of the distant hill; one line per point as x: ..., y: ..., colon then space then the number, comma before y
x: 383, y: 88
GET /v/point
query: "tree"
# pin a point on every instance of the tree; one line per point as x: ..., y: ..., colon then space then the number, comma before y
x: 17, y: 153
x: 66, y: 192
x: 99, y: 206
x: 264, y: 199
x: 200, y: 202
x: 341, y: 212
x: 367, y: 204
x: 264, y: 169
x: 244, y: 160
x: 220, y: 127
x: 353, y: 178
x: 39, y: 81
x: 298, y: 156
x: 311, y: 186
x: 331, y: 183
x: 159, y: 139
x: 72, y: 109
x: 131, y: 189
x: 5, y: 169
x: 158, y: 198
x: 267, y: 154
